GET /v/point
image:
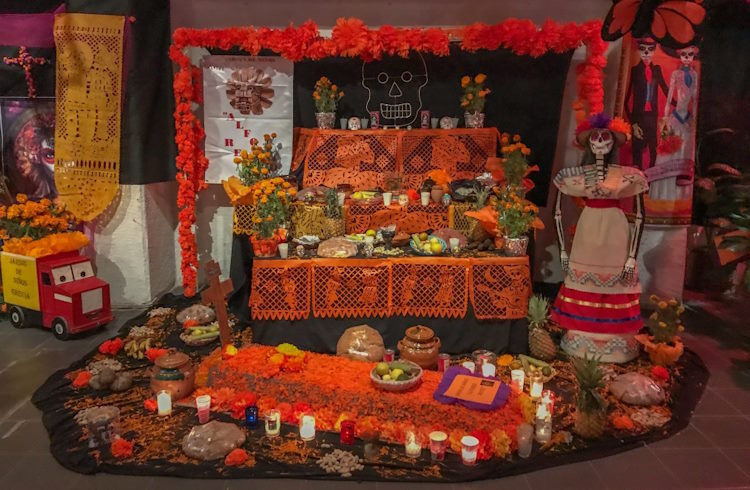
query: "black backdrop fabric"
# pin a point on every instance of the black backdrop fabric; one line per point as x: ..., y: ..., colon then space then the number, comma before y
x: 526, y: 95
x: 147, y: 149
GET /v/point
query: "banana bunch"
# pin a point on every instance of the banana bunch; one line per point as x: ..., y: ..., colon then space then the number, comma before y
x: 136, y: 348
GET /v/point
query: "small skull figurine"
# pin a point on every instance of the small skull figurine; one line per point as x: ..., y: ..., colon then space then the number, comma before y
x: 354, y: 123
x: 601, y: 142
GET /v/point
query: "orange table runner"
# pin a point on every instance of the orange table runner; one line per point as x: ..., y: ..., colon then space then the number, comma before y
x: 498, y: 287
x: 363, y: 158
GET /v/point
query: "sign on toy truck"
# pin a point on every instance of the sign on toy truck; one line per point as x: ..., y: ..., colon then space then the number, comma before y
x: 59, y: 291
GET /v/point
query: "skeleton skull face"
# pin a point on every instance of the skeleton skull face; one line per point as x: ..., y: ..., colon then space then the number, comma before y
x: 687, y: 55
x: 646, y: 51
x: 601, y: 141
x: 394, y: 87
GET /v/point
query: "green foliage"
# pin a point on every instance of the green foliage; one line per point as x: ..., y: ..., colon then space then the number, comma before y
x: 515, y: 215
x: 475, y: 94
x: 665, y: 323
x: 326, y: 95
x: 538, y: 312
x: 332, y: 209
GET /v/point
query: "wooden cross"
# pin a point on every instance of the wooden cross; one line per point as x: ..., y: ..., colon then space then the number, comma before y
x: 216, y: 295
x: 26, y: 62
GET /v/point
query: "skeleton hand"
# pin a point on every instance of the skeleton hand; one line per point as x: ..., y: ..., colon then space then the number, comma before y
x: 628, y: 272
x: 564, y: 261
x: 637, y: 131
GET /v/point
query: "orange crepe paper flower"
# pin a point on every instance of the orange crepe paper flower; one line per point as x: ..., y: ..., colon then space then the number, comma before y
x: 82, y: 379
x: 236, y: 457
x: 121, y: 448
x: 150, y: 404
x: 111, y: 347
x: 623, y: 422
x: 154, y: 353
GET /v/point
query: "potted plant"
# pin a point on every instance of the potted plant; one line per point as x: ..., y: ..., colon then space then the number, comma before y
x: 271, y: 199
x: 326, y: 96
x: 515, y: 217
x: 664, y: 346
x: 335, y: 225
x: 591, y: 408
x: 541, y: 344
x: 261, y: 162
x: 473, y: 99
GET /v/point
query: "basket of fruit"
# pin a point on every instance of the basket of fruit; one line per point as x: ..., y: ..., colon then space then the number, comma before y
x: 529, y: 365
x: 198, y: 335
x: 396, y: 375
x: 423, y: 244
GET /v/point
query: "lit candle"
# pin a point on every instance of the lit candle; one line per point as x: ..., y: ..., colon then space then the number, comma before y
x: 164, y: 402
x: 469, y: 446
x: 273, y: 425
x: 307, y: 427
x: 548, y: 399
x: 488, y: 370
x: 347, y: 432
x: 543, y: 424
x: 251, y: 417
x: 537, y: 386
x: 517, y: 377
x: 411, y: 445
x: 524, y: 434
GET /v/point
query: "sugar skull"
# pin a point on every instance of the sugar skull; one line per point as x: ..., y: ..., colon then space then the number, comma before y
x: 601, y: 141
x: 394, y: 87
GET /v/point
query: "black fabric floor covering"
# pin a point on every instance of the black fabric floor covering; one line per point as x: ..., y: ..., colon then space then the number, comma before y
x: 71, y: 451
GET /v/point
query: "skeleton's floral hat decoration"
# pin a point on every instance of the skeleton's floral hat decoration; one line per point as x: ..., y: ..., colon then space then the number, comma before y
x: 619, y: 128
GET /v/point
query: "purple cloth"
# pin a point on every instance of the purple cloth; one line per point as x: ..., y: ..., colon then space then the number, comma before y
x: 450, y: 374
x: 29, y: 30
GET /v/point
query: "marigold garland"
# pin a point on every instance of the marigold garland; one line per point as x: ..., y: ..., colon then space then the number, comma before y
x: 352, y: 38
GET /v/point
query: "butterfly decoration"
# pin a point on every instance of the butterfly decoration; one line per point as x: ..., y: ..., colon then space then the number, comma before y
x: 671, y: 23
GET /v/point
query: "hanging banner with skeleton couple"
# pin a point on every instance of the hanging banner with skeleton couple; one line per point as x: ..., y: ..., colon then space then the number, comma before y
x: 246, y: 97
x: 658, y: 95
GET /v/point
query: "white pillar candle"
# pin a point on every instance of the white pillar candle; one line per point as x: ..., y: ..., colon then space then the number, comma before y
x: 425, y: 195
x: 387, y: 198
x: 537, y: 386
x: 488, y: 370
x: 307, y: 428
x: 469, y: 365
x: 164, y: 402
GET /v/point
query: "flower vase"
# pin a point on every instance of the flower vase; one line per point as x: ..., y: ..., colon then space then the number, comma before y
x: 264, y: 247
x: 515, y: 247
x: 474, y: 119
x: 661, y: 354
x: 325, y: 120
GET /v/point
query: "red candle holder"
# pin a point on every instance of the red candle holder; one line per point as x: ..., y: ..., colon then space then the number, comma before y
x: 347, y: 432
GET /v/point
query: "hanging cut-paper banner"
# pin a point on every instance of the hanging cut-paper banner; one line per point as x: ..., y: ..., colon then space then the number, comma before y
x: 245, y: 97
x: 89, y: 95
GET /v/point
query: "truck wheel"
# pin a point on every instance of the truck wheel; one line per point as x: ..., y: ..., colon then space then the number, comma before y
x: 17, y: 317
x: 60, y: 328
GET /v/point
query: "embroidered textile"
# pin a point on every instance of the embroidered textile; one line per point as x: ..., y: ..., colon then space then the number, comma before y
x: 89, y: 98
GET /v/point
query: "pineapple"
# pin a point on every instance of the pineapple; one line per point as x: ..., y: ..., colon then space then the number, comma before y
x: 541, y: 344
x: 591, y: 413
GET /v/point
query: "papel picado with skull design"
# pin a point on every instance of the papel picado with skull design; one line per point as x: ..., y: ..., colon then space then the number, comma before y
x: 598, y: 304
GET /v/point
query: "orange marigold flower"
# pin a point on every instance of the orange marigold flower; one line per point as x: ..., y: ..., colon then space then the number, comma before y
x: 21, y: 198
x: 121, y: 448
x: 465, y: 81
x: 480, y: 78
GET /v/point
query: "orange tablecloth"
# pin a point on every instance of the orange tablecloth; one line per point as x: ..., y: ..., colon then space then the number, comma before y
x: 364, y: 158
x: 498, y: 287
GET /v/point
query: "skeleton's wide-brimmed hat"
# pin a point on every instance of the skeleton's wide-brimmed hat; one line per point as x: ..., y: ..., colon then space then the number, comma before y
x: 619, y: 128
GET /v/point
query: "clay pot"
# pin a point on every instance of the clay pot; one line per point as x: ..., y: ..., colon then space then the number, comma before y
x: 174, y: 373
x: 420, y: 346
x: 661, y: 354
x: 436, y: 193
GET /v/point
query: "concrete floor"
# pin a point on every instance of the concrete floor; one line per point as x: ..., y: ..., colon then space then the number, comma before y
x: 713, y: 452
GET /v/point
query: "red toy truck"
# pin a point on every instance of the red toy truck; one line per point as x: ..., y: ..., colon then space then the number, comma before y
x: 59, y: 291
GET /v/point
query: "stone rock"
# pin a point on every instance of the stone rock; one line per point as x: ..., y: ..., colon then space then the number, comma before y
x: 107, y: 376
x: 96, y: 382
x: 213, y: 440
x: 200, y: 313
x: 637, y: 389
x: 122, y: 382
x: 361, y: 343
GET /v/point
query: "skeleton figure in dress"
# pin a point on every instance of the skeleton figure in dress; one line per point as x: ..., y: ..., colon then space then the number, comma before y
x: 598, y: 304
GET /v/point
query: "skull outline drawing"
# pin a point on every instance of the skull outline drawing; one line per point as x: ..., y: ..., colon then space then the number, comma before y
x: 394, y: 88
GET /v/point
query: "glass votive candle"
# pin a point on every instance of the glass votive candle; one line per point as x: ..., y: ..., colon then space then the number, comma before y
x: 164, y: 402
x: 273, y: 423
x: 444, y: 362
x: 469, y: 365
x: 389, y: 355
x: 307, y: 427
x: 517, y: 377
x: 411, y: 445
x: 203, y: 405
x: 489, y: 370
x: 251, y: 417
x: 438, y: 443
x: 548, y: 399
x: 387, y: 198
x: 341, y: 196
x: 371, y: 449
x: 536, y: 385
x: 543, y: 424
x: 347, y: 432
x: 524, y: 433
x: 283, y: 250
x: 425, y: 197
x: 469, y: 447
